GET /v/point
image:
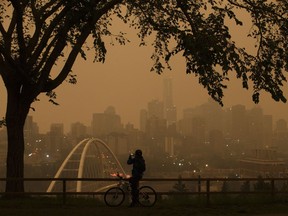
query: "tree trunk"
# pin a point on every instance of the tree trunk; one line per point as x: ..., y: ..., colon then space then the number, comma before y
x: 16, y: 113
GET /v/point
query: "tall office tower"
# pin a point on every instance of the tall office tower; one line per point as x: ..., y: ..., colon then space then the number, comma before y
x: 167, y: 93
x: 239, y: 123
x: 106, y: 123
x: 31, y: 128
x: 143, y: 119
x: 31, y: 133
x: 78, y: 131
x: 255, y: 126
x: 267, y: 130
x: 155, y: 109
x: 170, y: 112
x: 56, y: 137
x: 281, y: 135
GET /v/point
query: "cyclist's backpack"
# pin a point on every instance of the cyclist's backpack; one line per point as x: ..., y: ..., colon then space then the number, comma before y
x: 141, y: 166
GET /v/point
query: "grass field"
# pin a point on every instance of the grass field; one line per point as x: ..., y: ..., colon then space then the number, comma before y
x: 83, y: 207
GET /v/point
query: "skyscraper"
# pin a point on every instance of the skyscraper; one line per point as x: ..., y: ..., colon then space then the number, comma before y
x: 143, y: 119
x: 155, y: 109
x: 170, y: 111
x: 167, y: 93
x: 106, y: 123
x: 56, y: 137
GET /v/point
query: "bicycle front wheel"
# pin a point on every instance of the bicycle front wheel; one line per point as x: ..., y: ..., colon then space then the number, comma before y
x: 147, y: 196
x: 114, y: 197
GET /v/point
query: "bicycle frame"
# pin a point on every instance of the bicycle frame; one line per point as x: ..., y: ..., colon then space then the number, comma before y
x: 115, y: 196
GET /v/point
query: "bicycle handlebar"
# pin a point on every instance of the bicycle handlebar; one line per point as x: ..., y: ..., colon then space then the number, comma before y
x: 118, y: 176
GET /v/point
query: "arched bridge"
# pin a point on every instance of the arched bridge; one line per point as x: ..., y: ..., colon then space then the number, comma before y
x: 91, y: 158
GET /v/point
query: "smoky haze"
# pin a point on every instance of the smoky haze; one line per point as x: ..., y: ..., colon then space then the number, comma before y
x: 125, y: 82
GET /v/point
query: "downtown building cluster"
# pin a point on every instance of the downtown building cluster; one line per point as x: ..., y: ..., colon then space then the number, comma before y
x: 190, y: 141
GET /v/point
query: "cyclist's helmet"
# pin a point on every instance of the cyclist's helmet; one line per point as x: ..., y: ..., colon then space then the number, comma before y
x: 138, y: 152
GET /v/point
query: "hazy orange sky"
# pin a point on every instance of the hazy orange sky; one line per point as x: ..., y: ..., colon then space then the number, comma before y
x: 125, y: 82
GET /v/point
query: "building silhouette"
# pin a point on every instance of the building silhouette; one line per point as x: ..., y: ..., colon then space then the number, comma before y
x: 256, y: 127
x: 31, y: 133
x: 143, y: 119
x: 78, y: 131
x: 106, y: 123
x: 267, y: 131
x: 56, y: 141
x: 155, y: 109
x: 170, y: 111
x: 280, y: 136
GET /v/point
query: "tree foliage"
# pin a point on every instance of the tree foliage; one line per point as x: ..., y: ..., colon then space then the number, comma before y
x: 41, y: 39
x: 39, y: 32
x: 204, y: 39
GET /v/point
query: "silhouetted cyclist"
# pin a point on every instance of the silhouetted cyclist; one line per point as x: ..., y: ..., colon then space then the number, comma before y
x: 138, y: 169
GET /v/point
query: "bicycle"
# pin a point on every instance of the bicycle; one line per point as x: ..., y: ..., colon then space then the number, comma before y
x: 115, y: 196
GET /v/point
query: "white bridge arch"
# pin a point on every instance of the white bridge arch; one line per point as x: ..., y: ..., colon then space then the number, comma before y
x: 91, y: 158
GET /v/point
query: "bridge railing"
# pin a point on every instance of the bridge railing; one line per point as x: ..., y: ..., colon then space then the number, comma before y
x: 195, y: 186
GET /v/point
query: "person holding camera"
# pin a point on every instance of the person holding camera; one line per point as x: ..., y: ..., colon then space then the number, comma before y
x: 138, y: 170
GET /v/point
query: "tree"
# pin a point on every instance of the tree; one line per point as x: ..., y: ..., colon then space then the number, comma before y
x: 37, y: 35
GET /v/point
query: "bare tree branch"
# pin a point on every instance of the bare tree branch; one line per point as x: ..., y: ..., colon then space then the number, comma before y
x: 77, y: 47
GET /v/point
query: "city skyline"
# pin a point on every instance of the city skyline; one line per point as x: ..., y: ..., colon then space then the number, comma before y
x: 44, y: 125
x: 67, y: 128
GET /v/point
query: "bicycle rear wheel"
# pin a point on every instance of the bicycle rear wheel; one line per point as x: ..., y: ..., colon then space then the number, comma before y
x: 114, y: 197
x: 147, y: 196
